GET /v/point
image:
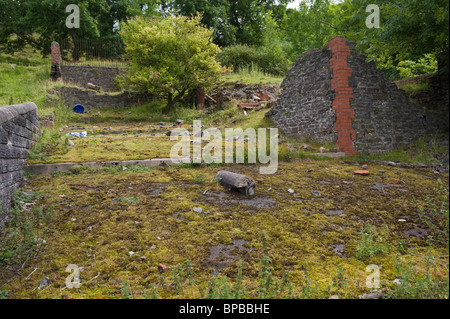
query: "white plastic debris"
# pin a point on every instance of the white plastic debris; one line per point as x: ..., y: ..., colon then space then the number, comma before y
x: 77, y: 134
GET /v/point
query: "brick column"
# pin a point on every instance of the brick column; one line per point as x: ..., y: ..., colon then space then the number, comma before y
x: 343, y: 93
x: 55, y: 71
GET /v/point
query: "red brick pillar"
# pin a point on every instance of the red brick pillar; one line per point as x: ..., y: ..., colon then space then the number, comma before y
x: 343, y: 93
x: 55, y: 71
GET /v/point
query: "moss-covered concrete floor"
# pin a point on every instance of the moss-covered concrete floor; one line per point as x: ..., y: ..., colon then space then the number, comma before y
x: 119, y: 226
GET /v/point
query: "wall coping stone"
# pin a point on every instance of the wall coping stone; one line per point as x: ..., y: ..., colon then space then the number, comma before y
x: 9, y: 112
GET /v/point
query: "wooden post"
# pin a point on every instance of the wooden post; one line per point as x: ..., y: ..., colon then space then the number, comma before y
x: 200, y: 101
x: 218, y: 100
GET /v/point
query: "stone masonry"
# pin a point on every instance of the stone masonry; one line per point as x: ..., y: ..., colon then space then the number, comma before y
x: 334, y: 95
x: 19, y: 130
x: 101, y: 76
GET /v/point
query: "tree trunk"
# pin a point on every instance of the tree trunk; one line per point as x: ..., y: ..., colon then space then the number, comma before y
x: 200, y: 101
x: 170, y: 103
x: 76, y: 46
x: 172, y: 100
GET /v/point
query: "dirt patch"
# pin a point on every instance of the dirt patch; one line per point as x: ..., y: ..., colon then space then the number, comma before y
x: 223, y: 199
x: 221, y: 255
x: 417, y: 232
x: 381, y: 187
x: 153, y: 188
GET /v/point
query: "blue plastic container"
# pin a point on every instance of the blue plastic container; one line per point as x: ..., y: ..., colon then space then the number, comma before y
x: 78, y: 108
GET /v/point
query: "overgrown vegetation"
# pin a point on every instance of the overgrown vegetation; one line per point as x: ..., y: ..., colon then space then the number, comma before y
x: 416, y: 284
x: 27, y: 224
x: 372, y: 243
x: 169, y: 57
x: 109, y: 212
x: 133, y: 228
x: 242, y: 58
x: 433, y: 211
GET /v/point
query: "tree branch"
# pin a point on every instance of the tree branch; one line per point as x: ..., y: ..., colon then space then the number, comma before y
x: 28, y: 39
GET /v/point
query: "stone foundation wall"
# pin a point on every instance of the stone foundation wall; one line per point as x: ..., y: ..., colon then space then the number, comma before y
x: 19, y: 130
x: 81, y: 75
x: 91, y: 99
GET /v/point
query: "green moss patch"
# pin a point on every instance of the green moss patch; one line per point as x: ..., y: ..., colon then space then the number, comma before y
x: 121, y: 227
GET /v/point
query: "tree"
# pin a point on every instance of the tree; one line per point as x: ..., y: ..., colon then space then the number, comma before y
x: 38, y: 23
x: 306, y: 27
x: 233, y: 21
x: 170, y: 56
x: 409, y: 29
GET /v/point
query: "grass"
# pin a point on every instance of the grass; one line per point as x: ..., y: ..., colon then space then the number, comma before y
x: 23, y: 84
x: 427, y: 150
x: 415, y: 87
x: 251, y: 75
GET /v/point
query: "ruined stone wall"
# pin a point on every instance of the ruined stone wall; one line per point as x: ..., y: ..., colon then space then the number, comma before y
x: 91, y: 99
x: 434, y: 99
x: 19, y: 130
x: 81, y: 75
x: 384, y: 117
x: 335, y: 95
x: 304, y: 108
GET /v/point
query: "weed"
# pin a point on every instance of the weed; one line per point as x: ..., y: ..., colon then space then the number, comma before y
x: 126, y: 290
x: 129, y: 200
x: 339, y: 283
x: 219, y: 288
x: 414, y: 284
x: 50, y: 143
x: 238, y: 289
x: 199, y: 178
x: 309, y: 288
x: 153, y: 293
x: 372, y: 243
x: 20, y: 236
x: 435, y: 214
x: 4, y: 294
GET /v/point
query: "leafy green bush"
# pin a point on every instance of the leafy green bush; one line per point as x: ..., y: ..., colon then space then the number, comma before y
x: 169, y: 57
x: 244, y: 56
x: 408, y: 68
